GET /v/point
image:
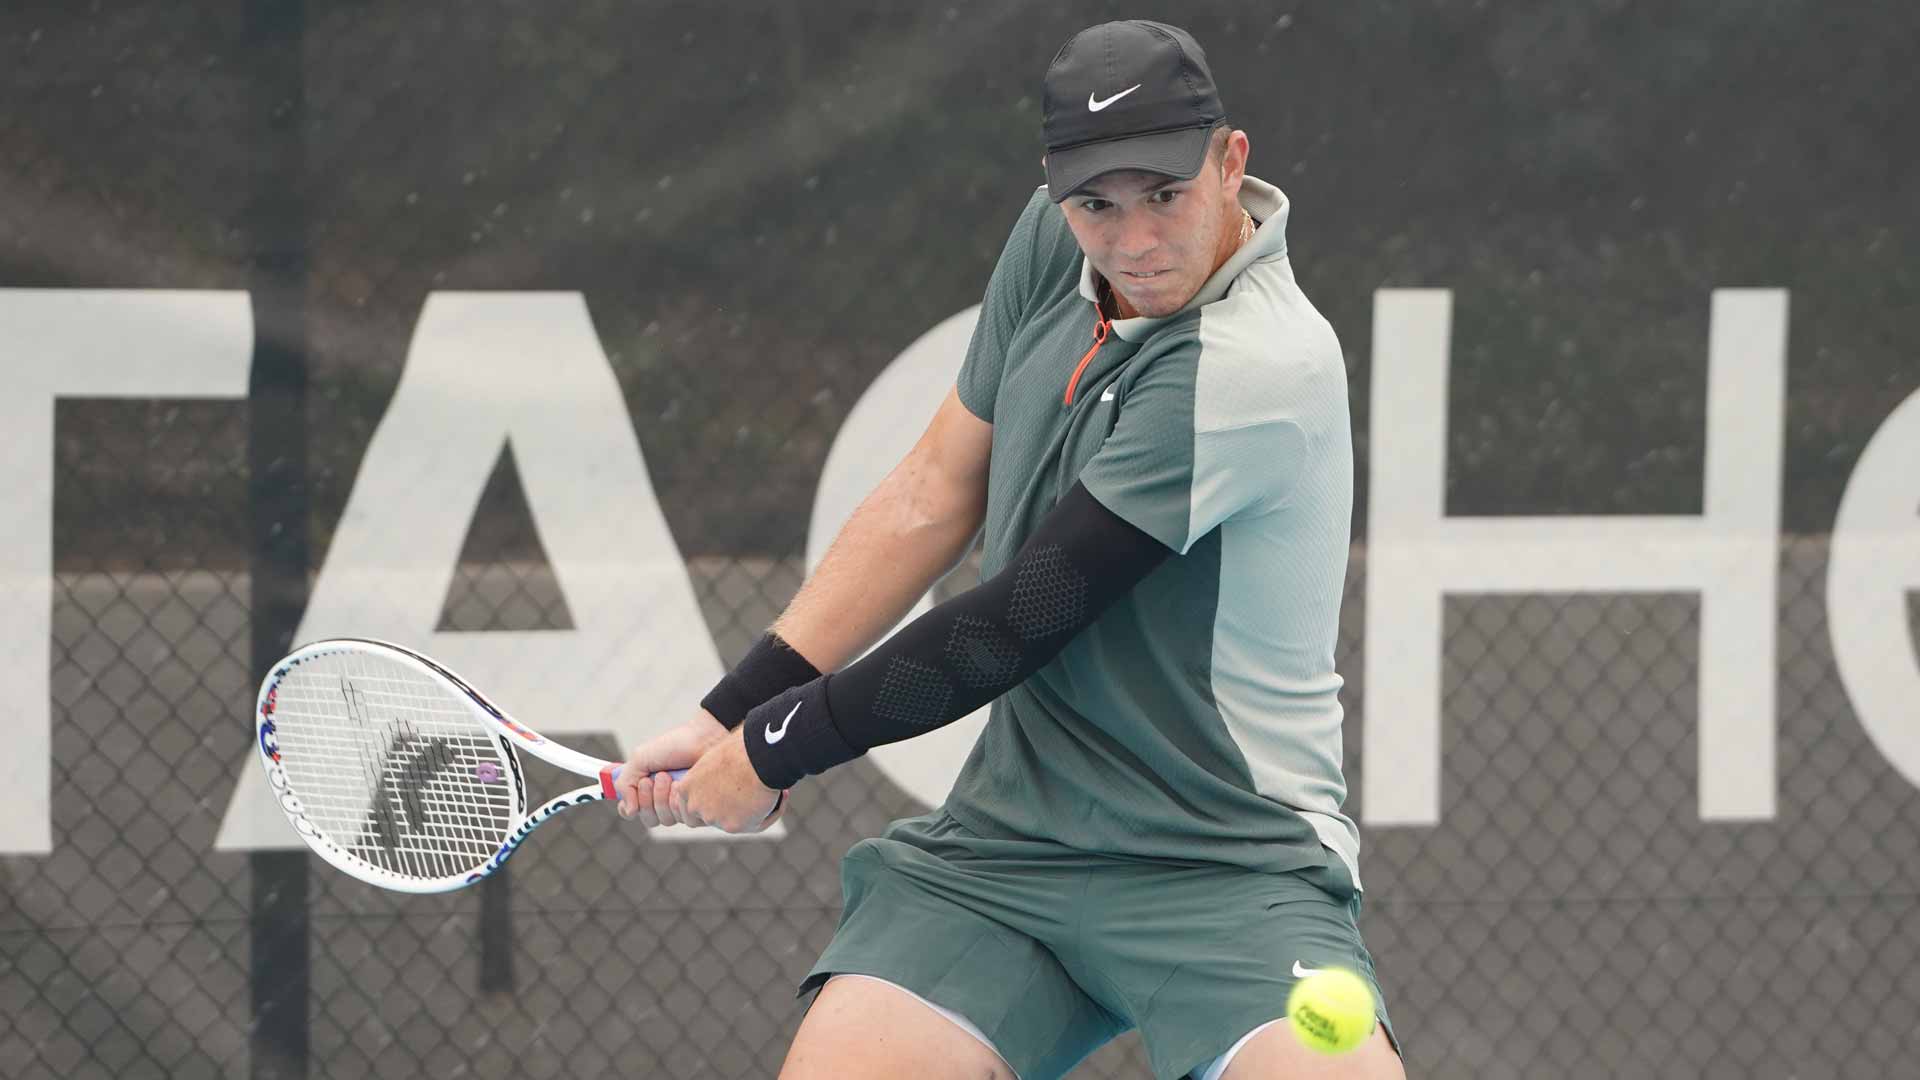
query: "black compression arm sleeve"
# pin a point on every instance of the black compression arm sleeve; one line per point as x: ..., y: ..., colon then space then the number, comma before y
x: 963, y: 653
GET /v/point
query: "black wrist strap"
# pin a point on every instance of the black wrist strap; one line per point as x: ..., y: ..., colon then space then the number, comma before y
x: 793, y: 735
x: 769, y: 667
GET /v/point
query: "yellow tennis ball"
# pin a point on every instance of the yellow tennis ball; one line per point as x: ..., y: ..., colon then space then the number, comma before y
x: 1331, y: 1010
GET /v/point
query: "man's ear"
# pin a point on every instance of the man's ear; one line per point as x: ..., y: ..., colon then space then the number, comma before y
x: 1233, y: 160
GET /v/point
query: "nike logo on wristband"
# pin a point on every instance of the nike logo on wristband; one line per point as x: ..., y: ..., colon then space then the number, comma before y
x: 774, y: 734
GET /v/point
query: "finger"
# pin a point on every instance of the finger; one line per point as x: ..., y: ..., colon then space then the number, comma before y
x: 627, y: 790
x: 647, y: 808
x: 643, y: 810
x: 687, y: 808
x: 660, y: 791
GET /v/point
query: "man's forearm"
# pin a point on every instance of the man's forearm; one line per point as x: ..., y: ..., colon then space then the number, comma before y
x: 901, y: 539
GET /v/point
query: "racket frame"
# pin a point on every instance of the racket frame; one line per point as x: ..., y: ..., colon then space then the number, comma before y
x: 510, y: 734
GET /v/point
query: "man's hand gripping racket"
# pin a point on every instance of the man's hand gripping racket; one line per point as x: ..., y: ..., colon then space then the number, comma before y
x: 396, y: 771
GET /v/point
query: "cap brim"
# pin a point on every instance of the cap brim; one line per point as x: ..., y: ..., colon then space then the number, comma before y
x: 1178, y: 154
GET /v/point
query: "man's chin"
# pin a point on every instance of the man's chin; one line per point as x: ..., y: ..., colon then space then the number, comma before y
x: 1152, y: 299
x: 1154, y: 307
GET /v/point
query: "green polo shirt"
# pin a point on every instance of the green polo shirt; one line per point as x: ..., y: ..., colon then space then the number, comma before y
x: 1198, y: 718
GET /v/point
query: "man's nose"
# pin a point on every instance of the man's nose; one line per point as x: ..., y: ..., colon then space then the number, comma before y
x: 1136, y: 239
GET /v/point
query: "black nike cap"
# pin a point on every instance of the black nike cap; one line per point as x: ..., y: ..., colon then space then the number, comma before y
x: 1127, y: 95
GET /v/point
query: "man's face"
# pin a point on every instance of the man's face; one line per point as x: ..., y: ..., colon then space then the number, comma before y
x: 1156, y: 240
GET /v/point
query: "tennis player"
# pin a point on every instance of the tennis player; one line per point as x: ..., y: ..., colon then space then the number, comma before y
x: 1151, y: 423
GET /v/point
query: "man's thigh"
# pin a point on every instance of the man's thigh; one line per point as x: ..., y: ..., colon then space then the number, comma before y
x: 970, y: 936
x: 865, y: 1029
x: 1203, y: 956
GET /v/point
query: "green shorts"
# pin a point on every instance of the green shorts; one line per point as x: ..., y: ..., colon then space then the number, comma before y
x: 1052, y: 952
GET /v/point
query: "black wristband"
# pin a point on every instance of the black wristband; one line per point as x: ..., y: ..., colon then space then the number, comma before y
x: 793, y: 736
x: 769, y: 667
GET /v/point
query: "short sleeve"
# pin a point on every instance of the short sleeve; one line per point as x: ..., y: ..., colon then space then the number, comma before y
x: 1001, y: 313
x: 1173, y: 480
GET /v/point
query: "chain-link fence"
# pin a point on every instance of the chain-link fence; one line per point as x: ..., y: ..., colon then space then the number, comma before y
x: 1570, y: 916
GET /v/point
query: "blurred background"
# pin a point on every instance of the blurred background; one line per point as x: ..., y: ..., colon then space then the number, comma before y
x: 228, y: 229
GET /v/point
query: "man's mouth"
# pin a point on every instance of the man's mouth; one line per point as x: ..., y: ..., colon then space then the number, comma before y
x: 1143, y: 276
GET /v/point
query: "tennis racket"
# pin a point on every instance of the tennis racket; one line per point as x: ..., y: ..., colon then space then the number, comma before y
x: 396, y: 771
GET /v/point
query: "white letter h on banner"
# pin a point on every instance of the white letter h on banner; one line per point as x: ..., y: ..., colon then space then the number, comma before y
x: 1416, y: 555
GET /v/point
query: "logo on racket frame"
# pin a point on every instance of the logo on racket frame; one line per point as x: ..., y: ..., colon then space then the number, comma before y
x: 514, y: 726
x: 521, y: 833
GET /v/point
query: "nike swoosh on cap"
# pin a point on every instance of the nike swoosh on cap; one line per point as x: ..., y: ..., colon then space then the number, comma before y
x: 1094, y: 105
x: 1300, y: 971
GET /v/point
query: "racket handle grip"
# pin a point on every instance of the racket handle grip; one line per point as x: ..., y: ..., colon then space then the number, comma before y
x: 615, y: 773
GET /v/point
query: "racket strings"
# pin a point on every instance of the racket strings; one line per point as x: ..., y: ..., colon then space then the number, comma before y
x: 392, y: 767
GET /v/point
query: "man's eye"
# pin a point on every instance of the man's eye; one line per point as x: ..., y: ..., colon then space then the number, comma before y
x: 1165, y: 195
x: 1094, y: 206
